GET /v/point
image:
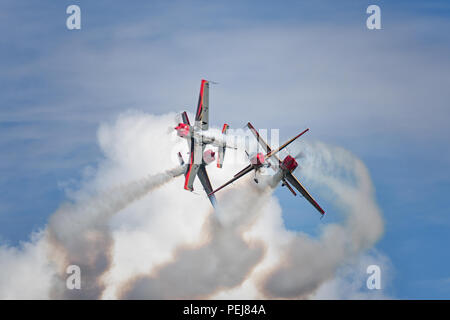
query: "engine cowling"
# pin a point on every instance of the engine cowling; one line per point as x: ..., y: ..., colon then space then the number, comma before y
x: 258, y: 159
x: 289, y: 163
x: 183, y: 130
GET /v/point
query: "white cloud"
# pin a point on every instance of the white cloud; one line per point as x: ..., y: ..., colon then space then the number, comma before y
x: 26, y: 273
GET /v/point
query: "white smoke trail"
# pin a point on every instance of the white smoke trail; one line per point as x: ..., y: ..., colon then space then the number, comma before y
x: 304, y: 263
x: 79, y: 233
x: 307, y: 262
x: 222, y: 261
x: 170, y: 245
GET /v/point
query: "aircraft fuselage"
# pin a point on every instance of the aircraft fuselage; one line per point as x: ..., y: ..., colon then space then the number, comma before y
x: 188, y: 132
x: 289, y: 164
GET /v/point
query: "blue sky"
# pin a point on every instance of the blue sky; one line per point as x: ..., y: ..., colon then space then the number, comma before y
x: 381, y: 94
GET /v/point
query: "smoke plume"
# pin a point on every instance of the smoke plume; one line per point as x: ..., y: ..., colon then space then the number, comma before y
x: 169, y: 243
x: 79, y: 233
x: 306, y: 262
x: 223, y: 260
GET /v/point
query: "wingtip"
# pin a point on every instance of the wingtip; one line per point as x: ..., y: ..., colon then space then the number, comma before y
x: 225, y: 127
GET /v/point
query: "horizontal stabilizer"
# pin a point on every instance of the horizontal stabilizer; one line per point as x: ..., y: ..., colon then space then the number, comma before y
x: 185, y: 118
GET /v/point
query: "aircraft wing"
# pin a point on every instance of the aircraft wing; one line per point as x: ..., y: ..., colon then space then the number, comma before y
x: 261, y: 141
x: 239, y: 175
x: 245, y: 169
x: 273, y: 152
x: 204, y: 179
x: 202, y: 114
x: 191, y: 173
x: 192, y: 168
x: 297, y: 185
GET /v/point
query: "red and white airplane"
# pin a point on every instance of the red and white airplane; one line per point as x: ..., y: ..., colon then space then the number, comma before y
x: 195, y: 136
x: 283, y: 172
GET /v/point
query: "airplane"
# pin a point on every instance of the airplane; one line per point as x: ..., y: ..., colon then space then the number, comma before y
x: 283, y: 173
x: 199, y: 158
